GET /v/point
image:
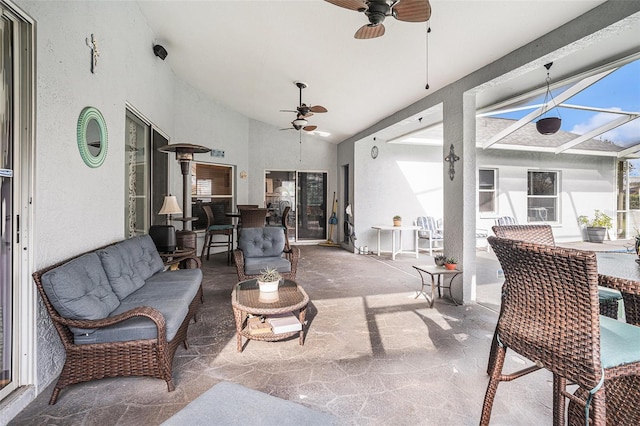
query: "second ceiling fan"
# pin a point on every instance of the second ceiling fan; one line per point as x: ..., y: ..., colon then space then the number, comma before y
x: 377, y: 10
x: 303, y: 111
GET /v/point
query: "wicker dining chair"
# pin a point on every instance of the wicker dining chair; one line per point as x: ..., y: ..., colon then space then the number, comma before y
x: 214, y: 229
x: 622, y: 393
x: 253, y: 218
x: 550, y: 315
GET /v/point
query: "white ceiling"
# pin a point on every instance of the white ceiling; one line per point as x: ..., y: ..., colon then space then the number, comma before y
x: 248, y: 54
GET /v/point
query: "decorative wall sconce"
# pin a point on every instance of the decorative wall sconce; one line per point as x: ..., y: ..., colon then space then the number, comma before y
x: 451, y: 159
x: 243, y: 175
x: 548, y: 125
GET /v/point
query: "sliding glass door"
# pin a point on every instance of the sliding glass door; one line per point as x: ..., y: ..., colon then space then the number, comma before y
x: 312, y: 206
x: 305, y: 192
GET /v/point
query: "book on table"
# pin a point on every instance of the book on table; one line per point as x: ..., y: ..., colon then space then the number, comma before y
x: 284, y: 323
x: 257, y: 325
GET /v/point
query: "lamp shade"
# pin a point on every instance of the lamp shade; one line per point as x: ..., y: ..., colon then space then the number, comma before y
x: 299, y: 122
x: 170, y: 205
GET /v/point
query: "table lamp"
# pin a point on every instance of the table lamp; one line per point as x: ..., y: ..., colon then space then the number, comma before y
x: 164, y: 236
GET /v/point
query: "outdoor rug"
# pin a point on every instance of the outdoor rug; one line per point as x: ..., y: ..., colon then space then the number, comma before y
x: 232, y: 404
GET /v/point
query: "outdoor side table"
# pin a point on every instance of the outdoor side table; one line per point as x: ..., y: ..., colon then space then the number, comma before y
x: 246, y: 299
x: 434, y: 272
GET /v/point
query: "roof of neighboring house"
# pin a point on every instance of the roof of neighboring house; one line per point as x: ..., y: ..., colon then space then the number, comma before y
x: 487, y: 127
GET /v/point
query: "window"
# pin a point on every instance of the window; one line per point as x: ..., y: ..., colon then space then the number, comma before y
x: 487, y: 190
x: 542, y: 196
x: 212, y: 185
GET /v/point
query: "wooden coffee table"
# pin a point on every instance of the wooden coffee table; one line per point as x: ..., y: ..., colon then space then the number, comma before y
x: 245, y: 300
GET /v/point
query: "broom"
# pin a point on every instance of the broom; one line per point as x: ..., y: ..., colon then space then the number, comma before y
x: 333, y: 221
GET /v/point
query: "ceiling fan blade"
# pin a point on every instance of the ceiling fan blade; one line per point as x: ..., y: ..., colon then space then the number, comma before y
x: 288, y: 128
x: 369, y: 31
x: 318, y: 109
x: 309, y: 114
x: 309, y: 128
x: 287, y: 110
x: 358, y: 5
x: 412, y: 10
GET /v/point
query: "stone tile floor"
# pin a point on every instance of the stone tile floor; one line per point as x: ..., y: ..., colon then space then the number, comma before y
x: 373, y: 354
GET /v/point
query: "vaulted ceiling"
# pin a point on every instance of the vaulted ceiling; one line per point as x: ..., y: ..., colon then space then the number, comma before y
x: 247, y: 55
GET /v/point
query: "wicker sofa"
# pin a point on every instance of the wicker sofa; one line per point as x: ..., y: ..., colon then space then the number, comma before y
x: 118, y: 312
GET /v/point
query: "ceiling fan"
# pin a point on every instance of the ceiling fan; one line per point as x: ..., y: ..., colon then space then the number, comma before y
x: 377, y: 10
x: 303, y: 111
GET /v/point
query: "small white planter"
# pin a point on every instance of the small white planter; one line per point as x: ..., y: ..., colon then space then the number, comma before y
x: 268, y: 287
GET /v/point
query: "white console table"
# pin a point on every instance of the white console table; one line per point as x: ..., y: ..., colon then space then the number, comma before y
x: 398, y: 230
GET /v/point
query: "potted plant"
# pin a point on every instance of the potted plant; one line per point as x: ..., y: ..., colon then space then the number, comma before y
x: 596, y: 227
x: 268, y: 280
x: 397, y: 220
x: 439, y: 259
x: 450, y: 263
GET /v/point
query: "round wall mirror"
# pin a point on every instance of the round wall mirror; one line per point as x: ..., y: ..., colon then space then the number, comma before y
x: 92, y: 137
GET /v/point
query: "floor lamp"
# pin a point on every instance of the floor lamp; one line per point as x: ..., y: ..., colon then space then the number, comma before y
x: 184, y: 155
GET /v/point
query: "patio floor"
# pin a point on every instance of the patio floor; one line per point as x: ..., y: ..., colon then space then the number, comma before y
x: 373, y: 354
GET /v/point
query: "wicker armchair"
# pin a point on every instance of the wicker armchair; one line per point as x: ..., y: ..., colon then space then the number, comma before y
x: 260, y: 248
x: 550, y: 315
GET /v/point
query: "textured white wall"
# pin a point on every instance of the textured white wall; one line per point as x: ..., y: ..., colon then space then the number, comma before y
x: 403, y: 180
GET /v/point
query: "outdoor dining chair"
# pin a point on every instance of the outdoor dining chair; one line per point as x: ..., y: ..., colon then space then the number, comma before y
x: 550, y: 315
x: 430, y: 231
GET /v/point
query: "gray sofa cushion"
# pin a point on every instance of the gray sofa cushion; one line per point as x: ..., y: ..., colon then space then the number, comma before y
x: 129, y: 263
x: 170, y: 292
x: 255, y: 265
x: 261, y: 242
x: 79, y: 289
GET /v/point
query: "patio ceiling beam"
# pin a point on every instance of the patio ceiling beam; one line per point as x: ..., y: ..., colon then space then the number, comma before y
x: 549, y: 149
x: 573, y: 90
x: 593, y: 133
x: 596, y: 109
x: 629, y: 151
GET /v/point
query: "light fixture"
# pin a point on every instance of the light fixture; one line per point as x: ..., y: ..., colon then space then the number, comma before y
x: 184, y: 155
x: 164, y: 236
x: 299, y: 123
x: 548, y: 125
x: 160, y: 51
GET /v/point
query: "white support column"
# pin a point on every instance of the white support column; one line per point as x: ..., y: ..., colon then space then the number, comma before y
x: 460, y: 193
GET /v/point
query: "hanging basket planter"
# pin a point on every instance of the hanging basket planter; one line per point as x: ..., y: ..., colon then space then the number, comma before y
x: 549, y: 125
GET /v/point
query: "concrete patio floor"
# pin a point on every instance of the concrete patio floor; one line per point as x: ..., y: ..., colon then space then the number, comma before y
x: 373, y: 354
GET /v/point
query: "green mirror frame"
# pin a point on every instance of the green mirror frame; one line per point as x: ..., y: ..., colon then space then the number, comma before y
x: 92, y: 137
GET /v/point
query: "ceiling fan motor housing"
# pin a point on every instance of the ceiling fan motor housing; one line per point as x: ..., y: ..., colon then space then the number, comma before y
x: 377, y: 11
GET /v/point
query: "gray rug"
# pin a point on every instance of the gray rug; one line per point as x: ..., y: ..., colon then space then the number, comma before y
x: 232, y: 404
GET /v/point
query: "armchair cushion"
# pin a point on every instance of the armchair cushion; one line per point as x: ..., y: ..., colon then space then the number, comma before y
x: 255, y: 265
x: 619, y: 343
x: 79, y: 289
x: 129, y: 263
x: 261, y: 242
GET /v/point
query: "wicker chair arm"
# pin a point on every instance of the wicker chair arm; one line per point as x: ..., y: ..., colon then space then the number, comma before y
x: 192, y: 262
x: 620, y: 284
x: 239, y: 261
x: 140, y: 311
x: 630, y: 295
x: 293, y: 255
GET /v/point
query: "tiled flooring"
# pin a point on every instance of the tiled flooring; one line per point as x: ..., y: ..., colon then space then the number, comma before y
x: 373, y: 355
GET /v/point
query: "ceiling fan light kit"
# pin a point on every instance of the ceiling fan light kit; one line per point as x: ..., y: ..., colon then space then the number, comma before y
x: 377, y: 10
x: 303, y: 111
